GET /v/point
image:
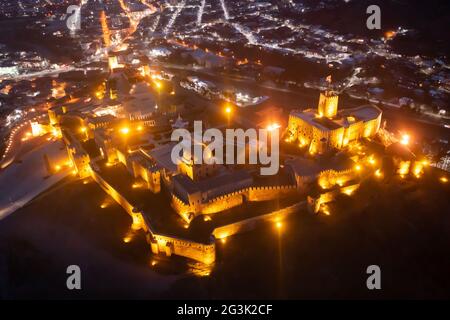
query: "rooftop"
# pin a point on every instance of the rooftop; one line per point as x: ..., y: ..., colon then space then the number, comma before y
x: 364, y: 113
x: 215, y: 186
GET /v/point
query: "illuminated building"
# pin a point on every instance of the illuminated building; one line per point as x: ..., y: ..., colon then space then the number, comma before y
x: 324, y: 172
x: 77, y: 155
x: 327, y: 128
x: 194, y: 171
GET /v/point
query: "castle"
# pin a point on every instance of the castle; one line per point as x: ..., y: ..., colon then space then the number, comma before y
x: 327, y: 128
x: 106, y: 147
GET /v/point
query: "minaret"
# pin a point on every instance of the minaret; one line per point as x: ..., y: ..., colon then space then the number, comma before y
x: 328, y: 102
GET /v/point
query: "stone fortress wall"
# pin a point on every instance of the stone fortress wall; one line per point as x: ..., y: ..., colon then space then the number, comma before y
x: 204, y: 253
x: 231, y: 200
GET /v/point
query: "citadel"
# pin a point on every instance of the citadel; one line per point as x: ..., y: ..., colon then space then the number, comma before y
x: 127, y: 147
x: 234, y: 145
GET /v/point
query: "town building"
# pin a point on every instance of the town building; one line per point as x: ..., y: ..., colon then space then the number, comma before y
x: 327, y: 129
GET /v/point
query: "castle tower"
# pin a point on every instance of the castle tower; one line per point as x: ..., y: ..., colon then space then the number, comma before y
x: 188, y: 166
x: 328, y: 104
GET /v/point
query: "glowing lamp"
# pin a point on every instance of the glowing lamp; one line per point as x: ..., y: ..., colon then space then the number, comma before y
x: 125, y: 130
x: 405, y: 139
x: 126, y: 239
x: 378, y: 173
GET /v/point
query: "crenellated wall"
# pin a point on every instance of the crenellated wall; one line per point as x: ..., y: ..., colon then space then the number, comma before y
x: 182, y: 208
x: 269, y: 192
x: 205, y: 253
x: 222, y: 203
x: 251, y: 223
x: 315, y: 203
x: 202, y: 252
x: 228, y: 201
x: 169, y: 245
x: 329, y: 178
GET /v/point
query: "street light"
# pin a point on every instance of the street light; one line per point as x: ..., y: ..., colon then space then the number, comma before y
x: 228, y: 111
x: 405, y: 139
